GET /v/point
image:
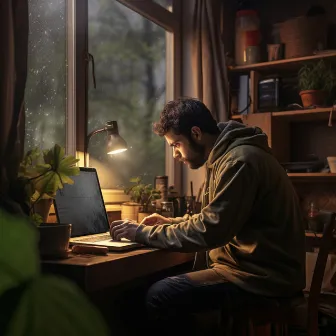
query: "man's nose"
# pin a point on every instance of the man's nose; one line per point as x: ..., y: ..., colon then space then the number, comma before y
x: 176, y: 153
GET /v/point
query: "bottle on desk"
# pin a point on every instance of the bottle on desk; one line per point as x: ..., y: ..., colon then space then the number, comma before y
x: 314, y: 224
x: 167, y: 209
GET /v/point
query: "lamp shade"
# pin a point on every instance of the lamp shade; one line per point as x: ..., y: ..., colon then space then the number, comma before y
x: 115, y: 143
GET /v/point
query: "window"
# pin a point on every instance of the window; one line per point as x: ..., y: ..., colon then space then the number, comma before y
x: 130, y: 68
x: 45, y: 95
x: 131, y: 55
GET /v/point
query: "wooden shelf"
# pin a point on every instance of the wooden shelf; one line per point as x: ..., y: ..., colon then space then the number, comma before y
x: 306, y: 115
x: 313, y: 177
x: 317, y: 114
x: 284, y: 64
x: 237, y: 117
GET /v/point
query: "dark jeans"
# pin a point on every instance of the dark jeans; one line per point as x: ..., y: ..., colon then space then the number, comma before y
x: 173, y: 303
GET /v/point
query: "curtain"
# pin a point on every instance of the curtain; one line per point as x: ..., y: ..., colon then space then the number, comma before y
x: 210, y: 77
x: 13, y: 69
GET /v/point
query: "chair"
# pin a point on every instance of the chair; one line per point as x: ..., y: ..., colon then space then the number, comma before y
x: 322, y: 257
x: 274, y: 317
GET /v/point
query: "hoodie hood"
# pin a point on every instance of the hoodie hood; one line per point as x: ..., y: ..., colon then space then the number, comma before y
x: 235, y: 134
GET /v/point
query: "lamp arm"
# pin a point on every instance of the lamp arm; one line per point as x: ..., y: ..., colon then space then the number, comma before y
x: 87, y: 140
x: 90, y: 135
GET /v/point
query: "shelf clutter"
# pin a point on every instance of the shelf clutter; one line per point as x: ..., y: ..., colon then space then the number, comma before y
x: 284, y: 64
x: 282, y: 75
x: 313, y: 114
x: 287, y: 89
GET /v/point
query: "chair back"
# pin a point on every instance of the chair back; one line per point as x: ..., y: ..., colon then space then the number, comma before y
x: 325, y: 246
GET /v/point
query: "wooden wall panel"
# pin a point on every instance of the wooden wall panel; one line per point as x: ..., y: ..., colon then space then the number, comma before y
x: 312, y: 138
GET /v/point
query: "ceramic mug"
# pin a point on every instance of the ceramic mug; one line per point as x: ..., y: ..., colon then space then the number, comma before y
x: 252, y: 54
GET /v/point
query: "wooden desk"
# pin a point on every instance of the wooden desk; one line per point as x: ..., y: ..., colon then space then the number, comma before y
x: 96, y: 273
x: 116, y: 283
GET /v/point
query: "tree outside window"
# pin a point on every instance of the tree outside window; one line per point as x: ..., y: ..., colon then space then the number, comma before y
x: 130, y: 67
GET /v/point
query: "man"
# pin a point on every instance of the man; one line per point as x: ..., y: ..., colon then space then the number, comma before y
x: 250, y: 224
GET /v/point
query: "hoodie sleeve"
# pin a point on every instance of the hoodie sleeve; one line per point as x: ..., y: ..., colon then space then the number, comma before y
x: 177, y: 220
x: 218, y: 223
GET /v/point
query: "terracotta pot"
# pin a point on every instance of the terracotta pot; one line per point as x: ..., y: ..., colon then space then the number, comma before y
x: 42, y: 207
x: 312, y: 98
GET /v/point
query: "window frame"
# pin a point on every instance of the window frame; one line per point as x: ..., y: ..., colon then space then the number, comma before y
x: 70, y: 138
x: 77, y: 114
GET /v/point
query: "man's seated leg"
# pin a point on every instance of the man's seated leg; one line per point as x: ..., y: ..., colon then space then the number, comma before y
x: 173, y: 302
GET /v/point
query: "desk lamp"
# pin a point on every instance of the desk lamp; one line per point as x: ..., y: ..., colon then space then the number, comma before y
x: 115, y: 143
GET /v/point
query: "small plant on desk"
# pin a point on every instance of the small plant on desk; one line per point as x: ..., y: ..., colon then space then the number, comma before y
x: 142, y: 193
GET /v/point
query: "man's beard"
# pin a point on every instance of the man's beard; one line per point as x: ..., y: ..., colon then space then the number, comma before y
x: 198, y: 159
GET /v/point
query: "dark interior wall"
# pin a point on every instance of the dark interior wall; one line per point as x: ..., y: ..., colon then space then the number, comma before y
x: 278, y: 11
x: 312, y: 139
x: 228, y: 28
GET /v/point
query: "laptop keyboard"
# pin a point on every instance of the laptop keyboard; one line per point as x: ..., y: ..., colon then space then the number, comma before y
x: 105, y: 236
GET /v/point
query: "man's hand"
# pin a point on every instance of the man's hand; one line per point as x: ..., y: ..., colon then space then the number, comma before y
x: 155, y: 219
x: 123, y: 229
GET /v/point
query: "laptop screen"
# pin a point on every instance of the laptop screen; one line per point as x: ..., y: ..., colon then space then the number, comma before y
x: 81, y: 204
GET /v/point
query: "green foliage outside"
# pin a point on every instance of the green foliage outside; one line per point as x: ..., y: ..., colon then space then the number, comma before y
x: 45, y: 93
x: 130, y: 66
x: 130, y: 57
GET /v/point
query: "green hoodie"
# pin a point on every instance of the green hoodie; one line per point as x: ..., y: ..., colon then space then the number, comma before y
x: 251, y: 222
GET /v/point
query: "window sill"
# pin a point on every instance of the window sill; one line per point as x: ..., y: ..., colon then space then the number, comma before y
x: 112, y: 207
x: 113, y: 199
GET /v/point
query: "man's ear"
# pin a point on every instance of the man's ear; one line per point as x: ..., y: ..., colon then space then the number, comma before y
x: 196, y: 133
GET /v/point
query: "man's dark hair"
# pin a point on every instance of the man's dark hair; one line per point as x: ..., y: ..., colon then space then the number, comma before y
x: 180, y: 115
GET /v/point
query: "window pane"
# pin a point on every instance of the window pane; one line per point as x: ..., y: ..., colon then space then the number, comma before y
x: 130, y: 56
x: 45, y: 96
x: 168, y: 4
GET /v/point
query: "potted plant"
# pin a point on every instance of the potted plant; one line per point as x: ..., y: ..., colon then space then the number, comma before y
x: 43, y: 173
x: 141, y: 196
x: 315, y: 80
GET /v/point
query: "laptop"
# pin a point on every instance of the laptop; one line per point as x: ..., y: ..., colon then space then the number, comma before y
x: 81, y: 204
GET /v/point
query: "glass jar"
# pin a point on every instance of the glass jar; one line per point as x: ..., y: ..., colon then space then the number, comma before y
x: 167, y: 209
x: 314, y: 224
x: 247, y: 38
x: 161, y: 184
